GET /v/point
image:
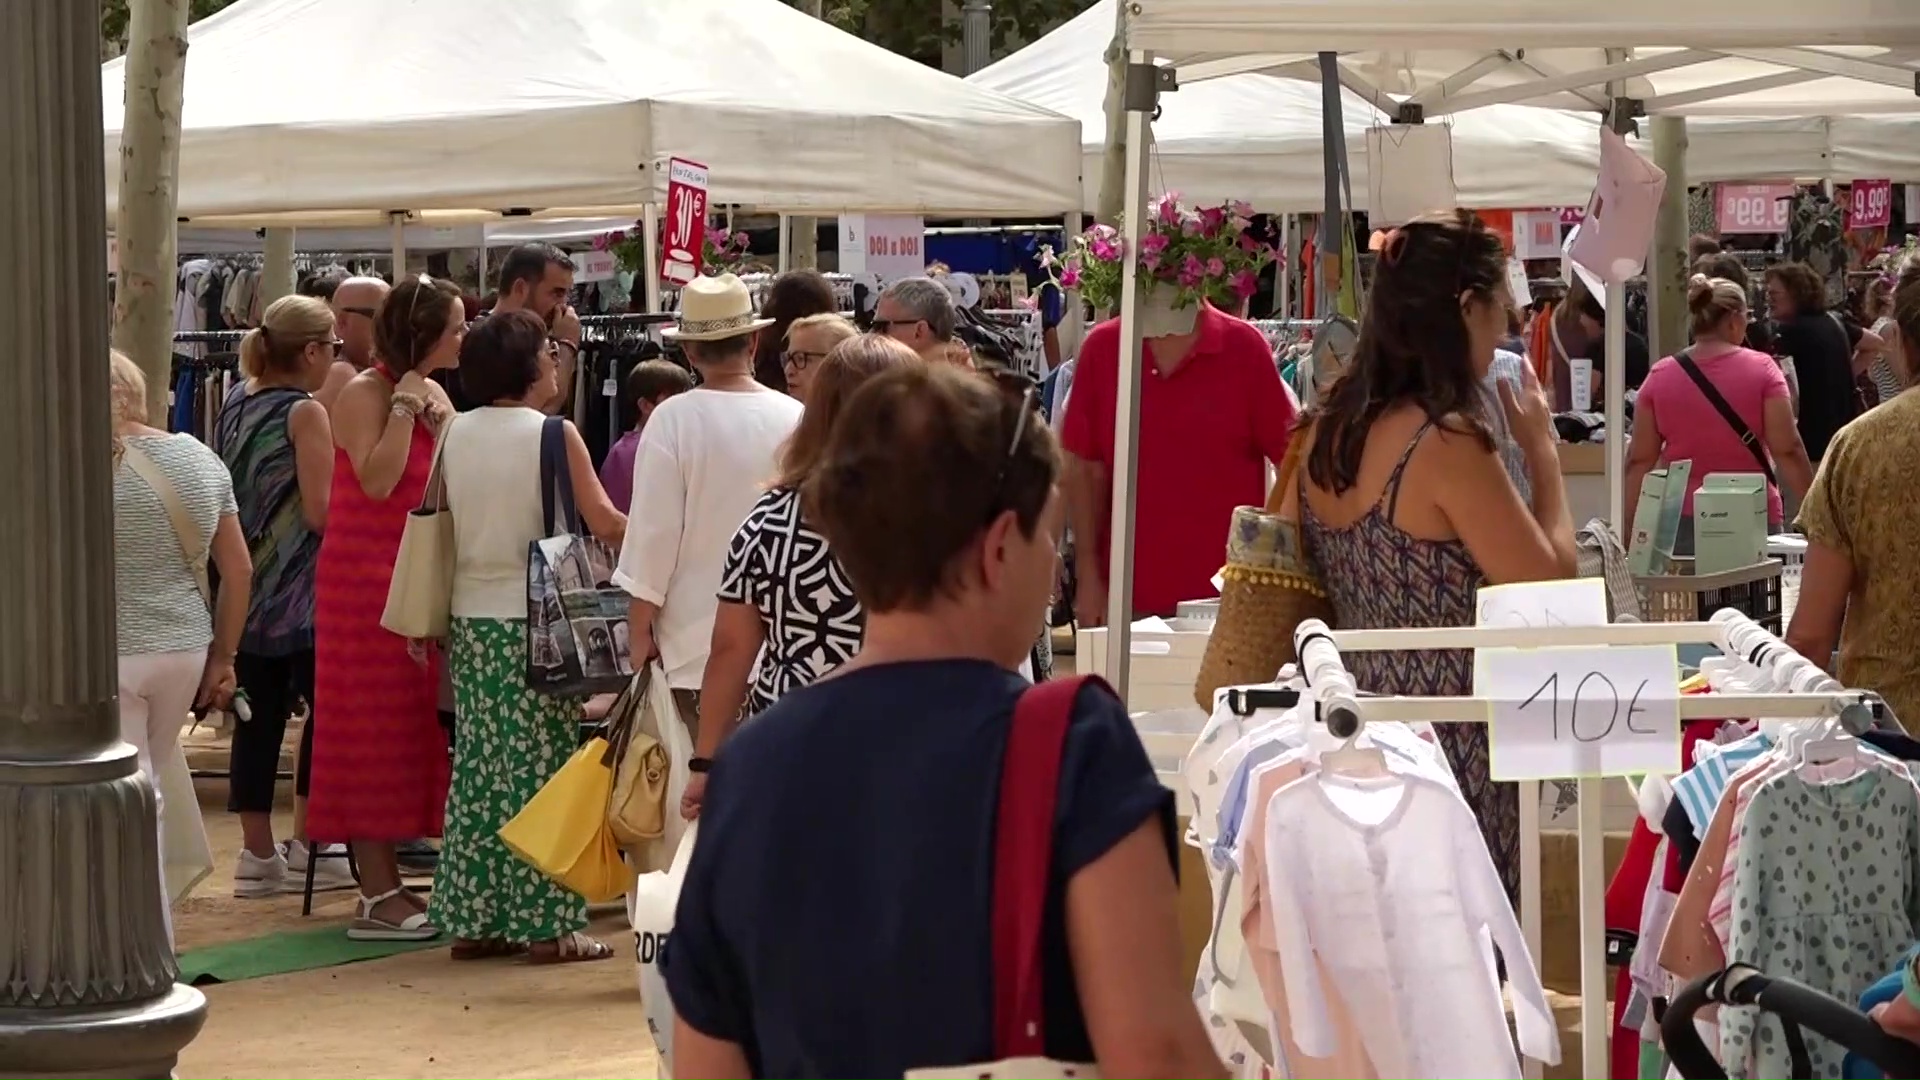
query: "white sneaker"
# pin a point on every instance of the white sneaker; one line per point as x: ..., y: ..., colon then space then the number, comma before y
x: 255, y: 877
x: 330, y: 871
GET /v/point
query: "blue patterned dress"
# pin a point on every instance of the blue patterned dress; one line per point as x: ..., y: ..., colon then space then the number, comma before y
x: 1381, y: 578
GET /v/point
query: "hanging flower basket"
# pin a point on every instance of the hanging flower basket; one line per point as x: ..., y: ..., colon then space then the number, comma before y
x: 1187, y: 254
x: 721, y: 251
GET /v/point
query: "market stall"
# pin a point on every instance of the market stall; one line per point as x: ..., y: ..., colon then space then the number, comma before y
x: 339, y: 112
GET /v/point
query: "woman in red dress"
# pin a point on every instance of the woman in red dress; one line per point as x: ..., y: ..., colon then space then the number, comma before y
x: 380, y: 763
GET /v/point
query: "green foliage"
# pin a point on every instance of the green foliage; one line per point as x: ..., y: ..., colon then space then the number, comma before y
x: 914, y: 28
x: 114, y: 20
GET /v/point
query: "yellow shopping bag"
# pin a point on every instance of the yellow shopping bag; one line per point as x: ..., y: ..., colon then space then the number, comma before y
x: 562, y: 831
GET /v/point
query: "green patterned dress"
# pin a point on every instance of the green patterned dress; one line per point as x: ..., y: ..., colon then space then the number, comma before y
x: 511, y: 742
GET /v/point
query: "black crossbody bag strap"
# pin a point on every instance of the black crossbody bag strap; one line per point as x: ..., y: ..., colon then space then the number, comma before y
x: 1747, y: 438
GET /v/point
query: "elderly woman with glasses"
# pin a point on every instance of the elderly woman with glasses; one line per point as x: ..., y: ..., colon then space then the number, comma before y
x: 809, y: 340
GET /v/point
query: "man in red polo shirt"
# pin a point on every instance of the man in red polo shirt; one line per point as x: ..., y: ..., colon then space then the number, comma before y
x: 1213, y: 413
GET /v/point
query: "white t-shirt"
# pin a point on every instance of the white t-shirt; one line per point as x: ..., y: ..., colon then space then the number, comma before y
x: 707, y: 457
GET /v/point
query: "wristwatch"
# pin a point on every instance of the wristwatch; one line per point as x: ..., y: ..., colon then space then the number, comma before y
x: 699, y: 765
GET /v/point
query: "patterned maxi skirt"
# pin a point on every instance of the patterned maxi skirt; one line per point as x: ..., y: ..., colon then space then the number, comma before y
x: 511, y: 742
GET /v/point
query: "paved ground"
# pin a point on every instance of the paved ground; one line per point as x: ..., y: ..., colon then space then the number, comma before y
x: 417, y: 1015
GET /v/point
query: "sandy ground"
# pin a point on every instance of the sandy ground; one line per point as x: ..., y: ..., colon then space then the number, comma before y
x: 416, y: 1015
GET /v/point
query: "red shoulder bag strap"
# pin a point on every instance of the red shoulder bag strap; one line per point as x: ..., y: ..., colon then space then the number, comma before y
x: 1023, y: 857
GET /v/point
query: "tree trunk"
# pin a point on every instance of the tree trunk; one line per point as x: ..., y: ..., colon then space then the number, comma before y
x: 149, y: 191
x: 1113, y: 165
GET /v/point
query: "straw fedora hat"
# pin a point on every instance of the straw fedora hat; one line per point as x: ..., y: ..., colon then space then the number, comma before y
x: 715, y: 308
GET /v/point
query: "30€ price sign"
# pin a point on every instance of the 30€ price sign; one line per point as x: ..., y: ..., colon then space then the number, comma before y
x: 1870, y: 205
x: 1582, y: 712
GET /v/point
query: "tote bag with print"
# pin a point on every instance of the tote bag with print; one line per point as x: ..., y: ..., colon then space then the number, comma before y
x: 576, y: 615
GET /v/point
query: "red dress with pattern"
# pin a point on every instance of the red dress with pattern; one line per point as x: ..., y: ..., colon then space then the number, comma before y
x: 380, y: 763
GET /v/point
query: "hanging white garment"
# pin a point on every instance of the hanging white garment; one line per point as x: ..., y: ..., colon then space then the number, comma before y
x: 1388, y: 884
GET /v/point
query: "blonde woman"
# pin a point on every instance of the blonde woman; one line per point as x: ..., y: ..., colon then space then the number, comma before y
x: 786, y: 607
x: 809, y: 340
x: 173, y: 513
x: 278, y: 444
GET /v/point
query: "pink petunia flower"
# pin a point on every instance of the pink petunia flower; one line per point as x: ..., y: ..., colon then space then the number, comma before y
x: 1046, y: 256
x: 1105, y: 250
x: 1245, y: 284
x: 1167, y: 209
x: 1151, y: 261
x: 1212, y: 220
x: 1070, y: 278
x: 1153, y: 244
x: 1216, y: 267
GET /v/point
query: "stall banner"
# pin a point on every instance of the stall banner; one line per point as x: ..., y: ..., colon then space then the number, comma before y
x: 882, y: 247
x: 1752, y: 208
x: 685, y: 227
x: 1536, y: 234
x: 594, y: 266
x: 1870, y: 205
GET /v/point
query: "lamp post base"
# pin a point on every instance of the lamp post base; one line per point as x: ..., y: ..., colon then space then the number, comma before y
x: 134, y: 1042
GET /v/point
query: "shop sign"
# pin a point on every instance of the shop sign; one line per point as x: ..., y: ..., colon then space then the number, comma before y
x: 1536, y: 234
x: 685, y: 224
x: 1751, y: 209
x: 591, y: 266
x: 1572, y: 215
x: 883, y: 247
x: 1870, y: 205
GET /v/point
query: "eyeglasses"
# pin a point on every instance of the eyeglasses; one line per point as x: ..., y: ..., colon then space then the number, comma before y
x: 1027, y: 393
x: 366, y: 313
x: 888, y: 326
x: 336, y: 345
x: 800, y: 361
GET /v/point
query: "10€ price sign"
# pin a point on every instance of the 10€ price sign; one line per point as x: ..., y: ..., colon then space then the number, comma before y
x: 1582, y: 712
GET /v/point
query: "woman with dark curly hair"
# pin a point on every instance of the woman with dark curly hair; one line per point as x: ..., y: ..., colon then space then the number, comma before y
x: 793, y: 296
x: 1822, y: 345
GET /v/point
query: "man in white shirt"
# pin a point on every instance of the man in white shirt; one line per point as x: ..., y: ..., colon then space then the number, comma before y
x: 708, y: 455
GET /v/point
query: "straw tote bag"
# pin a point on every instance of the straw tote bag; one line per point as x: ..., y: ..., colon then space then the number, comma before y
x: 1022, y: 864
x: 1269, y: 587
x: 420, y: 597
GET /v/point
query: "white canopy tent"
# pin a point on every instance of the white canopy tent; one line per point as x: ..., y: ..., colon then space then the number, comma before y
x: 199, y: 240
x: 341, y: 111
x: 1258, y: 138
x: 1837, y: 148
x: 1762, y: 58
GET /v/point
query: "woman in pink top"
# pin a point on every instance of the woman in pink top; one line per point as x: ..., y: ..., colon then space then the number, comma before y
x: 1675, y: 418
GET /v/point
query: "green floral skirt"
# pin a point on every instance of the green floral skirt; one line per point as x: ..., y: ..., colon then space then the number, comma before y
x: 511, y: 742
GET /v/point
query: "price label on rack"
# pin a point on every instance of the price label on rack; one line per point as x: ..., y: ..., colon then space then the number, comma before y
x: 1582, y: 712
x: 1870, y: 205
x: 1752, y: 208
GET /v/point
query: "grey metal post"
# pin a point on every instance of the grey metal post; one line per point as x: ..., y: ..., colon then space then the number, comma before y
x: 976, y: 35
x: 87, y: 976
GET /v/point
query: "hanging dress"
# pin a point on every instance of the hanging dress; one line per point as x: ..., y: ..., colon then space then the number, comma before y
x: 380, y: 765
x: 1381, y: 578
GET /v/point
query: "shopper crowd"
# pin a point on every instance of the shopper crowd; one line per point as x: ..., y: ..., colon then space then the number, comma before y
x: 839, y: 545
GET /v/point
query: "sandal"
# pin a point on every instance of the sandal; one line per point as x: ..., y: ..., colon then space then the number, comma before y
x: 367, y: 927
x: 486, y: 949
x: 574, y: 948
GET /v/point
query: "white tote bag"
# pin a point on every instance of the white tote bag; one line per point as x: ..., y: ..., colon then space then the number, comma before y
x: 650, y: 905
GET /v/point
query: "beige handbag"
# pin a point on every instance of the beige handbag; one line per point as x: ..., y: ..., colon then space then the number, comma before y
x: 420, y: 597
x: 637, y: 810
x: 186, y: 856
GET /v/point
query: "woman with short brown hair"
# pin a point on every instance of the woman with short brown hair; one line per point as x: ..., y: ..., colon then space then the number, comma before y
x: 786, y: 607
x: 836, y: 917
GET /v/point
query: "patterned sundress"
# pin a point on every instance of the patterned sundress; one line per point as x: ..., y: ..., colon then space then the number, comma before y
x: 1381, y: 578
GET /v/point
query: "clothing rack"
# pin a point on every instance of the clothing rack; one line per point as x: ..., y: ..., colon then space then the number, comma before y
x: 208, y: 337
x: 609, y: 347
x: 1339, y: 704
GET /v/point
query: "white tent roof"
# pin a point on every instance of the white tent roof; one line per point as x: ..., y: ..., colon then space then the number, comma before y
x: 1257, y: 138
x: 377, y: 105
x: 1754, y: 58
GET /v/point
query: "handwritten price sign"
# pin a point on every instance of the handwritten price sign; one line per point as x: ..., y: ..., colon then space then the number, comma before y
x: 1563, y: 713
x: 1752, y: 208
x: 1871, y: 205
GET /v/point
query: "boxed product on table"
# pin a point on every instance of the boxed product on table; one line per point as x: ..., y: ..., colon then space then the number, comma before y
x: 1729, y: 522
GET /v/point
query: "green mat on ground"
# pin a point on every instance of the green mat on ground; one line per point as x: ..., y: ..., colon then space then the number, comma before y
x: 281, y: 954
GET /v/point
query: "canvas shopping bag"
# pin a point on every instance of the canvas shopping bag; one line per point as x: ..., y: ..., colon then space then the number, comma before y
x: 1022, y: 860
x: 576, y: 616
x: 562, y: 831
x: 651, y: 748
x: 420, y: 597
x: 650, y: 908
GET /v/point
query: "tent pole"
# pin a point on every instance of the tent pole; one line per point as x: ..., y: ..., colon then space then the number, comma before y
x: 397, y: 230
x: 1126, y: 419
x: 1284, y: 286
x: 785, y: 258
x: 650, y: 246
